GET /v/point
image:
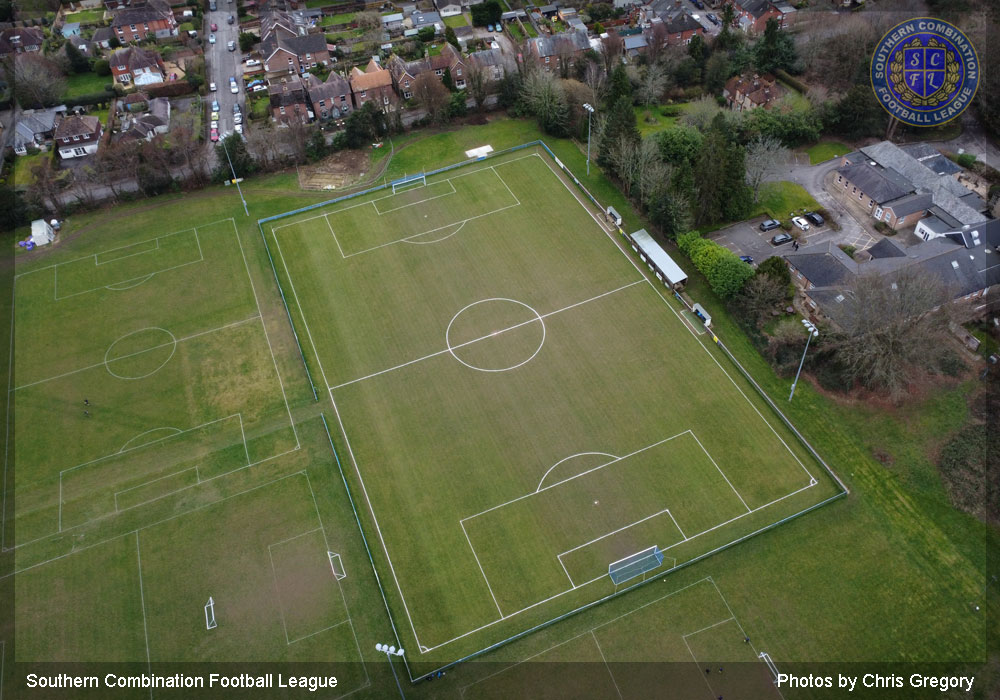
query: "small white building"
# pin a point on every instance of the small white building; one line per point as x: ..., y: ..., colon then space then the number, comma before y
x: 41, y: 232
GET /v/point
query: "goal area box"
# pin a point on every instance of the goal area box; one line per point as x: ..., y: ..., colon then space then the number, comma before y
x: 635, y: 565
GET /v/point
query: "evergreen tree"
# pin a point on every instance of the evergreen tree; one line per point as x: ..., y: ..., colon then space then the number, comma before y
x: 78, y: 63
x: 722, y: 193
x: 669, y: 212
x: 775, y: 51
x: 619, y: 85
x: 451, y: 38
x: 447, y: 80
x: 727, y: 38
x: 621, y: 121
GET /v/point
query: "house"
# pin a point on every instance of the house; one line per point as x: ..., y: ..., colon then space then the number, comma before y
x: 967, y: 265
x: 330, y: 99
x: 102, y: 37
x: 680, y: 26
x: 34, y: 127
x: 393, y: 22
x: 285, y: 52
x: 448, y: 8
x: 552, y: 52
x: 405, y: 73
x: 634, y: 45
x: 419, y: 20
x: 752, y: 15
x: 902, y: 185
x: 135, y: 66
x: 20, y: 40
x: 135, y: 23
x: 288, y: 100
x: 373, y: 84
x: 750, y: 91
x: 491, y: 62
x: 152, y: 123
x: 78, y: 136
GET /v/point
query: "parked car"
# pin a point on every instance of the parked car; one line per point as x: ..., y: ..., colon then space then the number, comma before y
x: 211, y: 38
x: 253, y: 62
x: 699, y: 4
x: 800, y: 223
x: 815, y: 218
x: 236, y: 108
x: 211, y: 87
x: 238, y: 128
x: 215, y: 105
x: 712, y: 18
x: 747, y: 259
x: 258, y: 88
x: 215, y: 116
x: 215, y: 126
x: 215, y: 134
x: 233, y: 87
x: 781, y: 239
x: 237, y: 118
x: 212, y: 6
x: 215, y: 27
x: 193, y: 34
x: 230, y: 19
x: 489, y: 28
x: 231, y: 46
x: 769, y: 224
x: 255, y: 83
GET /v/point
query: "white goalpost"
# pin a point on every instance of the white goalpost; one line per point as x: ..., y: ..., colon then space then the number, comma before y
x: 408, y: 181
x: 337, y: 566
x: 210, y: 623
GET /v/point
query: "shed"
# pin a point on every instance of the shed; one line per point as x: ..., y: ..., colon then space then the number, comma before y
x: 41, y: 232
x: 662, y: 265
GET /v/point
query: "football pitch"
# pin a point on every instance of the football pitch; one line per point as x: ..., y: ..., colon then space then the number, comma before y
x: 518, y: 405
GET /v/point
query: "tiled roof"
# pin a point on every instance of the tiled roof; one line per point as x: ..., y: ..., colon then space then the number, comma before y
x: 374, y: 76
x: 76, y: 125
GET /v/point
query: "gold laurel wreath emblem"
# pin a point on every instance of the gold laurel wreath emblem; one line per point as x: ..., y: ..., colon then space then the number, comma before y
x: 951, y: 76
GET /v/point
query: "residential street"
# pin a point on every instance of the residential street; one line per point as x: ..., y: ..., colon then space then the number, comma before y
x: 221, y: 64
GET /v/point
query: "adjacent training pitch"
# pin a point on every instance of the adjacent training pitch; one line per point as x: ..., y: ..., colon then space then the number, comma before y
x: 519, y: 404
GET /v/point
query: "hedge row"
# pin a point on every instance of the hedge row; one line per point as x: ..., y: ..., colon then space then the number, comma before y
x: 725, y: 272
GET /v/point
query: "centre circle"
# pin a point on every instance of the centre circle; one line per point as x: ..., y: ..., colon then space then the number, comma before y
x: 475, y: 330
x: 141, y: 353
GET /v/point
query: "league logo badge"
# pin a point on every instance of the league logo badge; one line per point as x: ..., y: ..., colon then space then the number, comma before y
x: 925, y: 72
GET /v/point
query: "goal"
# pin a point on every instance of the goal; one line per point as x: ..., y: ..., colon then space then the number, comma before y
x: 337, y: 565
x: 408, y: 181
x: 635, y: 565
x: 210, y: 623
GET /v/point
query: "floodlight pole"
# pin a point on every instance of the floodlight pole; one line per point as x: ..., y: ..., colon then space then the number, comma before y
x: 389, y: 652
x: 590, y: 112
x: 812, y: 334
x: 235, y: 179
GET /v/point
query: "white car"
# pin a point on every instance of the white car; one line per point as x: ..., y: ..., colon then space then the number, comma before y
x: 215, y: 125
x: 253, y: 62
x: 800, y: 223
x: 212, y: 87
x: 238, y: 118
x: 211, y: 38
x: 239, y: 128
x: 233, y: 87
x: 258, y: 88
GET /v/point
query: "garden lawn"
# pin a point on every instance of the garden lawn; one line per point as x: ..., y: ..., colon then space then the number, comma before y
x: 826, y: 150
x: 660, y: 117
x: 86, y: 17
x: 782, y: 199
x: 22, y: 168
x: 86, y: 84
x: 456, y: 21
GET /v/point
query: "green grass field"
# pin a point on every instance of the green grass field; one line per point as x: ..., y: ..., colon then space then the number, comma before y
x: 86, y: 84
x: 456, y: 21
x: 86, y: 16
x: 517, y: 392
x: 160, y: 515
x: 826, y: 150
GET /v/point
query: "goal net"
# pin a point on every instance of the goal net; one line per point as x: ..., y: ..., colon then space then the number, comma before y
x: 337, y: 565
x: 408, y: 182
x: 210, y: 622
x: 635, y: 565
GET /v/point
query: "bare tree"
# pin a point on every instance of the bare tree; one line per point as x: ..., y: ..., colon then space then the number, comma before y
x: 261, y: 143
x: 295, y: 137
x: 612, y: 47
x: 651, y: 171
x: 623, y: 155
x: 370, y: 23
x: 432, y: 95
x: 38, y: 82
x: 652, y: 84
x: 479, y: 83
x: 656, y: 42
x: 596, y: 79
x: 760, y: 295
x: 764, y: 155
x: 898, y: 326
x: 545, y: 97
x: 701, y: 112
x: 49, y: 184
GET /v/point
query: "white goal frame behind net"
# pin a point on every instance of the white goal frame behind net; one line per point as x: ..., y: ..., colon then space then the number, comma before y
x: 337, y: 566
x: 210, y: 623
x: 408, y: 181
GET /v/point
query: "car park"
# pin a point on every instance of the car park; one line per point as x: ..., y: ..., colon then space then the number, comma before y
x: 769, y: 224
x: 211, y: 38
x: 781, y: 239
x: 800, y: 223
x: 215, y: 134
x: 815, y: 218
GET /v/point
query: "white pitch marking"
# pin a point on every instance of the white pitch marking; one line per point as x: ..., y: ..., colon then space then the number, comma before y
x: 564, y: 459
x: 488, y: 586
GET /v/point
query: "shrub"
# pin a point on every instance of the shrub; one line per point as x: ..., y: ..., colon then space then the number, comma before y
x: 849, y: 249
x: 102, y: 67
x: 966, y: 160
